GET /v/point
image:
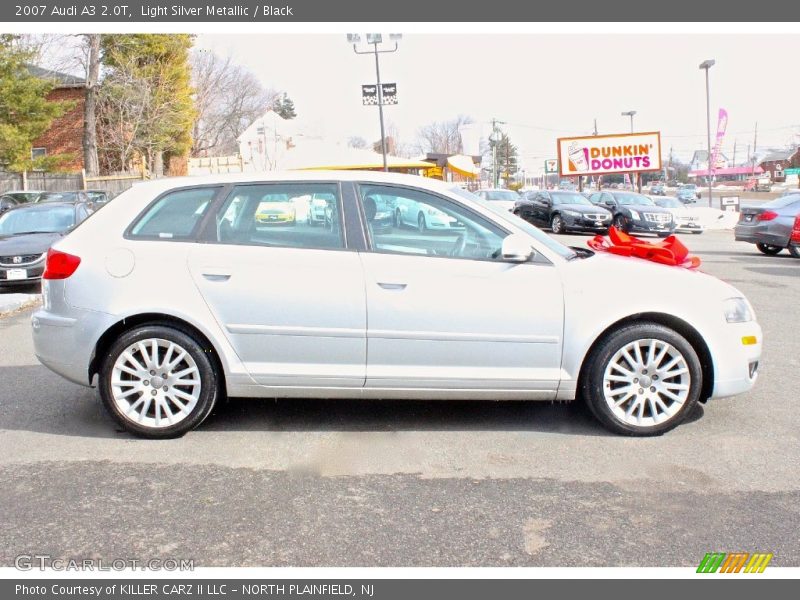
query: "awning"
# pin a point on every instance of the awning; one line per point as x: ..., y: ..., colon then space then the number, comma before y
x: 463, y: 165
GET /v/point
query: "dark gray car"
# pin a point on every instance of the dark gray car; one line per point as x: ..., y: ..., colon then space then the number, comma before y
x: 769, y: 226
x: 636, y: 213
x: 26, y: 233
x: 562, y: 211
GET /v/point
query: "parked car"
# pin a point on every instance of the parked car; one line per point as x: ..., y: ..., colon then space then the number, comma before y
x: 567, y: 185
x: 276, y: 209
x: 75, y: 196
x: 7, y: 202
x: 687, y: 193
x: 317, y: 209
x: 27, y: 231
x: 149, y: 303
x: 686, y: 219
x: 563, y: 212
x: 762, y: 183
x: 23, y: 196
x: 504, y: 198
x: 637, y: 213
x: 97, y: 197
x: 769, y: 226
x: 658, y: 189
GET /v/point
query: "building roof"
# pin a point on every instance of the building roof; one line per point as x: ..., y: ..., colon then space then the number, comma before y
x: 779, y: 155
x: 60, y: 80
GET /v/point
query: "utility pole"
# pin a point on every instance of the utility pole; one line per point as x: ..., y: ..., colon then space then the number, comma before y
x: 494, y: 138
x: 595, y: 127
x: 734, y: 153
x: 755, y: 149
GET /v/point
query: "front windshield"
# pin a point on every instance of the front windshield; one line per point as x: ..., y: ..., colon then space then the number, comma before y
x: 506, y: 216
x: 633, y: 200
x: 502, y: 196
x: 569, y: 199
x: 37, y: 220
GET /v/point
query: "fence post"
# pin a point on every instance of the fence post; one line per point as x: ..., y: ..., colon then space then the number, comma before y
x: 24, y: 176
x: 83, y: 179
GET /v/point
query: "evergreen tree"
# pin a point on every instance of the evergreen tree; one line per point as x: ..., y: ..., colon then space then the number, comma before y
x: 148, y: 76
x: 507, y: 163
x: 25, y: 112
x: 285, y: 107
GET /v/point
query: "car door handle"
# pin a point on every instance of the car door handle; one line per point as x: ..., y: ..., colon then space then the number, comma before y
x: 217, y: 276
x: 392, y: 286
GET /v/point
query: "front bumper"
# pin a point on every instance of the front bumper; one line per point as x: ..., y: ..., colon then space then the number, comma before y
x: 642, y: 226
x: 582, y: 223
x: 735, y: 363
x: 24, y: 274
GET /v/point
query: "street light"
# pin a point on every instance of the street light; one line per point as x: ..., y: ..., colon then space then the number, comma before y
x: 375, y: 39
x: 630, y: 114
x: 706, y: 65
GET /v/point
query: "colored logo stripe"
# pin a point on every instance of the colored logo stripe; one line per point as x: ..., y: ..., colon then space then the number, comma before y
x: 734, y: 562
x: 758, y: 563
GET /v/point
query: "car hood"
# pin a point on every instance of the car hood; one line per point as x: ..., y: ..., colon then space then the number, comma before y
x: 28, y: 243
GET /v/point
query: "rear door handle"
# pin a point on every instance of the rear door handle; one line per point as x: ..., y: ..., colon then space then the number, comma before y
x: 392, y: 286
x: 217, y: 276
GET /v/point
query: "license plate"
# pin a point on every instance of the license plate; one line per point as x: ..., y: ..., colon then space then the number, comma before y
x: 16, y: 274
x: 598, y: 223
x: 748, y: 218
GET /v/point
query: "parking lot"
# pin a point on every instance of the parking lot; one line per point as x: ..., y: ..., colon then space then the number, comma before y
x: 357, y: 483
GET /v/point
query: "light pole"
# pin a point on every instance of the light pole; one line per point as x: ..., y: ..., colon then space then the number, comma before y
x: 375, y: 39
x: 630, y: 114
x: 706, y: 65
x: 495, y: 138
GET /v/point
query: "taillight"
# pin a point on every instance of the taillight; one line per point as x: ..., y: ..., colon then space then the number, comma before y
x: 767, y: 215
x: 796, y: 229
x: 60, y: 265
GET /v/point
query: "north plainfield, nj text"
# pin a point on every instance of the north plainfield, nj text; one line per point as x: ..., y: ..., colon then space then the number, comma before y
x: 154, y: 11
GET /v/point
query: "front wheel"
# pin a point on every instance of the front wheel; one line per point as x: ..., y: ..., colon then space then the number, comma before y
x: 158, y: 382
x: 557, y: 224
x: 619, y: 223
x: 768, y: 249
x: 642, y: 380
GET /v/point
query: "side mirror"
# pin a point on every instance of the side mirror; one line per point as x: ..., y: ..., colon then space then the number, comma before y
x: 517, y: 248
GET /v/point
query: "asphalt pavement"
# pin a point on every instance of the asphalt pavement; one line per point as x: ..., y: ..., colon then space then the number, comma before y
x: 359, y: 483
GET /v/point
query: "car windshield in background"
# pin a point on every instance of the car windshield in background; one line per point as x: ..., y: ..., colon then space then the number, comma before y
x: 633, y: 200
x: 669, y: 203
x: 37, y: 219
x: 58, y: 197
x: 506, y: 216
x: 502, y: 196
x: 568, y: 198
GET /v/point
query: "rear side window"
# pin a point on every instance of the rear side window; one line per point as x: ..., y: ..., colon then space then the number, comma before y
x: 176, y: 215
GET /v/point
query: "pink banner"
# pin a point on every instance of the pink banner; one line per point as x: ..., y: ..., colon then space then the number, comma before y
x: 722, y: 124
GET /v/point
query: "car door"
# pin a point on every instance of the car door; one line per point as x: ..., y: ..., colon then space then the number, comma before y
x: 289, y: 296
x: 445, y: 312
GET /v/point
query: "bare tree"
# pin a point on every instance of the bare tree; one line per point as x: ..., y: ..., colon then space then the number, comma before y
x: 442, y: 137
x: 357, y: 141
x: 228, y: 98
x: 90, y: 161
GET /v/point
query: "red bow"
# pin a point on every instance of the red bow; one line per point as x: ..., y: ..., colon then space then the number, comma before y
x: 669, y: 252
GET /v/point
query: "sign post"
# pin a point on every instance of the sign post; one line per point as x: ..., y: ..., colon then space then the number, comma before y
x: 729, y: 203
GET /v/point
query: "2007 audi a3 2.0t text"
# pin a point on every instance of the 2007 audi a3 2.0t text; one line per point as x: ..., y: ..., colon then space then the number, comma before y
x: 176, y: 295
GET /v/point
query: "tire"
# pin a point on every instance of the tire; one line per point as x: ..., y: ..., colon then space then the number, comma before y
x: 794, y: 251
x: 768, y: 249
x: 421, y: 225
x: 138, y: 345
x: 697, y: 232
x: 557, y: 225
x: 628, y: 418
x: 619, y: 223
x: 662, y: 234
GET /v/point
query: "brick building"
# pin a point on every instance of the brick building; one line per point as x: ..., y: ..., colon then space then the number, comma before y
x: 777, y: 161
x: 65, y: 135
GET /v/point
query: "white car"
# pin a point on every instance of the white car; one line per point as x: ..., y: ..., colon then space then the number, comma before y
x: 688, y: 220
x: 505, y: 199
x: 173, y: 297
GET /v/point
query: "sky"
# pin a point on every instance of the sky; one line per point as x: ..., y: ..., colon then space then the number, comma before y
x: 541, y: 85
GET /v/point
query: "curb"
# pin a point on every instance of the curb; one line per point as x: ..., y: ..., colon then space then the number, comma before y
x: 19, y: 306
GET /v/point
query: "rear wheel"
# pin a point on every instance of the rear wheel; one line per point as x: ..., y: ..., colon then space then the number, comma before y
x: 158, y: 382
x: 768, y: 249
x: 794, y: 251
x: 642, y: 380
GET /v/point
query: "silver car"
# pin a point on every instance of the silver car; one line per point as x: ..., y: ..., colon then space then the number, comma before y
x: 769, y: 226
x: 176, y: 295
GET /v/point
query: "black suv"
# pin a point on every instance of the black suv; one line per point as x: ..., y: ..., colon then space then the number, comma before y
x: 562, y: 211
x: 635, y: 212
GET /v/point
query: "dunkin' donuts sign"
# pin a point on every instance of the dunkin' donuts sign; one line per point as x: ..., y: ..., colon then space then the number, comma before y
x: 603, y: 154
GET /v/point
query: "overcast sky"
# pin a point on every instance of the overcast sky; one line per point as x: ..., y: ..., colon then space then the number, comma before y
x: 543, y: 86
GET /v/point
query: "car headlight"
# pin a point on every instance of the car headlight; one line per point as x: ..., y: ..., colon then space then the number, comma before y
x: 737, y: 310
x: 635, y: 215
x: 572, y: 213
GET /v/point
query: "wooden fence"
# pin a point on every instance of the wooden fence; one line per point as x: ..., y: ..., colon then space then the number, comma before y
x: 67, y: 182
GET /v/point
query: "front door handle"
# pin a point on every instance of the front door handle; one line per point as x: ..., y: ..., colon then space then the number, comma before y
x: 217, y: 276
x: 392, y: 286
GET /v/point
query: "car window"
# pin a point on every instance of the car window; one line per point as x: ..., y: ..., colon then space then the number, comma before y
x: 408, y: 221
x: 287, y: 215
x: 175, y: 215
x: 633, y: 200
